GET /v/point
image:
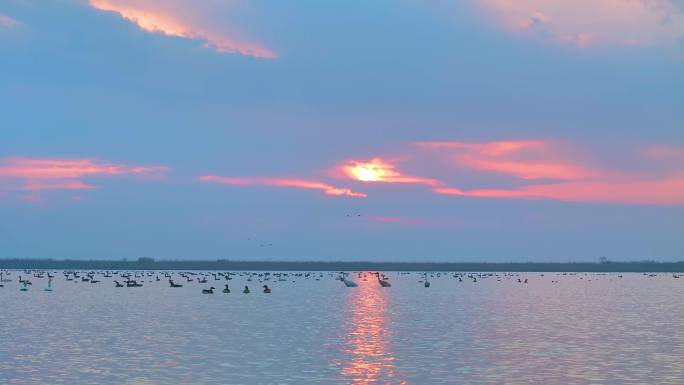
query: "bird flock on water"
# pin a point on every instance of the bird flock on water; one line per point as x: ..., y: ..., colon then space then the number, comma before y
x: 180, y: 279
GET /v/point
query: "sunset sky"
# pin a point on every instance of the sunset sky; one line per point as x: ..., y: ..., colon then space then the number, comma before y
x: 402, y: 130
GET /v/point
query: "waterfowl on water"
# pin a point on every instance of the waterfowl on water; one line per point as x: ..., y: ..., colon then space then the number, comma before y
x: 246, y: 290
x: 118, y: 284
x: 208, y: 291
x: 49, y: 286
x: 427, y: 281
x: 383, y: 282
x: 226, y: 289
x: 173, y: 284
x: 348, y: 283
x: 266, y: 289
x: 133, y: 283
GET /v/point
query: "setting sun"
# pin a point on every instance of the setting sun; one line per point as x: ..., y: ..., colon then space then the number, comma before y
x: 374, y: 170
x: 381, y: 170
x: 365, y: 173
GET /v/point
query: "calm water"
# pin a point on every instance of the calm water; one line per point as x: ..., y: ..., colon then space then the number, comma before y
x: 585, y: 329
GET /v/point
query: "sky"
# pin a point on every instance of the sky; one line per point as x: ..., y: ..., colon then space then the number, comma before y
x: 402, y: 130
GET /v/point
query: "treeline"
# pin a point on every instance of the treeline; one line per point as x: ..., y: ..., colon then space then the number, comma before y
x: 229, y: 265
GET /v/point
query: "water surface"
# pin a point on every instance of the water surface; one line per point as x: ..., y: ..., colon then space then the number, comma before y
x: 583, y: 329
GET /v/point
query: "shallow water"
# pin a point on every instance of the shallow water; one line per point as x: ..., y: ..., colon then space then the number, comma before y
x: 585, y: 329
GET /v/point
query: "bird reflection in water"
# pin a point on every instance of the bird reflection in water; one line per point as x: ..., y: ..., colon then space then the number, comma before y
x: 368, y: 341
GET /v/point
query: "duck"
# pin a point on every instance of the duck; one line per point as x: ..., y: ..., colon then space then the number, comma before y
x: 173, y: 284
x: 118, y: 284
x: 267, y: 289
x: 208, y: 291
x: 246, y: 290
x: 226, y: 290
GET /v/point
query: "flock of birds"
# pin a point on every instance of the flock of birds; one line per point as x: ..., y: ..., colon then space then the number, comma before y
x: 137, y: 278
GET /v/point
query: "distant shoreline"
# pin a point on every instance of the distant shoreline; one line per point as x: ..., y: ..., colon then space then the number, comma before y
x: 228, y: 265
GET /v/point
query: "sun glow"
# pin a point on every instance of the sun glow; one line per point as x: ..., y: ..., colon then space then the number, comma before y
x: 380, y: 170
x: 366, y: 172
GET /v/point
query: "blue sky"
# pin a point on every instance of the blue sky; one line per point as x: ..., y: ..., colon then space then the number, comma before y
x: 489, y: 130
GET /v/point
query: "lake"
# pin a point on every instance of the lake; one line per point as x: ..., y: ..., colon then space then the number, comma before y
x: 555, y: 329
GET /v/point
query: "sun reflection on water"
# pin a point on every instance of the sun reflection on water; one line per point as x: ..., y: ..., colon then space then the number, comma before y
x: 368, y: 340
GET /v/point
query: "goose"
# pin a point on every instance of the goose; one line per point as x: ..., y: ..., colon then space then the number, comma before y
x: 382, y: 282
x: 348, y: 283
x: 49, y: 286
x: 246, y: 290
x: 226, y: 290
x: 133, y: 283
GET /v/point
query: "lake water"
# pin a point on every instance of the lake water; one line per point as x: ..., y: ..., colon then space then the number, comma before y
x: 584, y: 329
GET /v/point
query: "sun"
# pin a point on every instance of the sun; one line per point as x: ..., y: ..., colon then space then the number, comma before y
x: 375, y: 170
x: 365, y: 174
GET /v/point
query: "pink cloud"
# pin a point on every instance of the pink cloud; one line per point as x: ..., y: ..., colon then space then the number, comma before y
x: 8, y: 22
x: 66, y: 174
x: 284, y: 182
x: 584, y: 23
x: 59, y: 185
x: 664, y: 152
x: 529, y: 170
x: 526, y: 159
x: 536, y: 159
x: 398, y: 220
x: 667, y: 191
x: 496, y: 148
x: 179, y: 19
